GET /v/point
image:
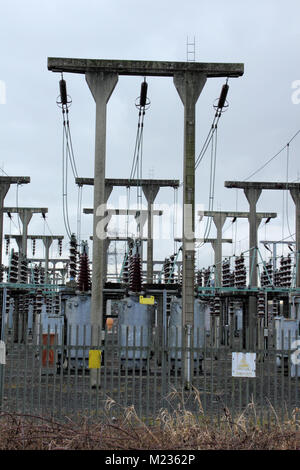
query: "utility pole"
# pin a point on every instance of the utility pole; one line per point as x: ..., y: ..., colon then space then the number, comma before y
x: 47, y: 240
x: 25, y: 214
x: 189, y: 79
x: 5, y: 182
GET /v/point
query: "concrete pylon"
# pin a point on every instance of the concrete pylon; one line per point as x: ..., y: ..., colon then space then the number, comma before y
x: 219, y: 220
x: 296, y: 198
x: 189, y: 86
x: 150, y: 193
x: 4, y: 187
x: 47, y: 240
x: 101, y: 85
x: 252, y: 195
x: 25, y: 216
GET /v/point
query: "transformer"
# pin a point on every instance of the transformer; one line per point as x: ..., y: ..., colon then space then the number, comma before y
x: 135, y: 326
x: 77, y: 311
x: 175, y: 332
x: 287, y: 338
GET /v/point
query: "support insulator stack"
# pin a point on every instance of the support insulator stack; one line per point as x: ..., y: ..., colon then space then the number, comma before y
x: 1, y: 273
x: 73, y: 257
x: 7, y: 306
x: 275, y: 309
x: 56, y: 304
x: 180, y: 274
x: 277, y: 278
x: 14, y: 267
x: 285, y: 271
x: 23, y: 271
x: 169, y: 270
x: 172, y: 268
x: 231, y: 307
x: 266, y: 277
x: 33, y: 247
x: 125, y: 275
x: 261, y: 304
x: 217, y: 305
x: 38, y: 302
x: 206, y: 277
x: 36, y: 274
x: 135, y: 274
x: 227, y: 278
x: 48, y: 304
x: 199, y: 278
x: 240, y: 272
x: 84, y: 278
x: 42, y: 275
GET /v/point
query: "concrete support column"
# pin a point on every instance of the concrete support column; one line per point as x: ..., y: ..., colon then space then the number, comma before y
x: 106, y: 248
x: 18, y: 239
x: 47, y: 243
x: 101, y: 86
x: 4, y: 187
x: 296, y: 198
x: 219, y: 220
x: 252, y: 195
x: 189, y: 86
x: 150, y: 193
x: 106, y: 242
x: 25, y: 216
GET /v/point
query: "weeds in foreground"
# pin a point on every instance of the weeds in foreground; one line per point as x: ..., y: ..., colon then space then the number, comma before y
x: 174, y: 428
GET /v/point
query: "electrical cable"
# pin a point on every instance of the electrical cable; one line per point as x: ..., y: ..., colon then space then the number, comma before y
x: 287, y: 180
x: 17, y: 206
x: 272, y: 158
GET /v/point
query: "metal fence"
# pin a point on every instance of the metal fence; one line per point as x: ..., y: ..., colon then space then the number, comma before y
x: 49, y: 374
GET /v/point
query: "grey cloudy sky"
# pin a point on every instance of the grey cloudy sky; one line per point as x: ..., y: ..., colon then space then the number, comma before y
x: 261, y: 118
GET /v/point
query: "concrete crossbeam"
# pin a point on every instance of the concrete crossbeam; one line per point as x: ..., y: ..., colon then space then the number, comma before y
x: 143, y: 68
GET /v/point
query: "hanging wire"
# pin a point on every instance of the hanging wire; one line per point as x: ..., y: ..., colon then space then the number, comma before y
x: 17, y: 206
x: 65, y: 188
x: 142, y: 103
x: 79, y: 209
x: 272, y: 158
x: 213, y: 161
x: 287, y: 180
x: 64, y: 102
x: 175, y: 218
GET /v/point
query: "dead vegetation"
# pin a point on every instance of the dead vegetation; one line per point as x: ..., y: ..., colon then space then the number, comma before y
x: 178, y: 429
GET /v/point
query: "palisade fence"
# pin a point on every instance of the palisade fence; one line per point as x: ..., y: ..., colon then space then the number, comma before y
x: 49, y: 374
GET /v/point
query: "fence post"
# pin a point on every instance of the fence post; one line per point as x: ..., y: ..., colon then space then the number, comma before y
x: 2, y: 337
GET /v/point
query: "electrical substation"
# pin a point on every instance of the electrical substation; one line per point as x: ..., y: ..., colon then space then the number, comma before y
x: 150, y: 321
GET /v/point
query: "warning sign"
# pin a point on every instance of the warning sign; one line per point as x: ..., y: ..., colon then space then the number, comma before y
x: 147, y: 300
x: 2, y: 352
x: 94, y: 359
x: 243, y: 364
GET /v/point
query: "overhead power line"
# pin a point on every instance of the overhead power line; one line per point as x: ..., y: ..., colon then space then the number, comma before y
x: 272, y: 158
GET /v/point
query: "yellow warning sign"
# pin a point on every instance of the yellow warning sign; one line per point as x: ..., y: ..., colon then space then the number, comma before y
x: 94, y: 359
x: 147, y: 300
x: 243, y: 364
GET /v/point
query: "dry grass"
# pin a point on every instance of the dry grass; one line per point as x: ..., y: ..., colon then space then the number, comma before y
x: 175, y: 430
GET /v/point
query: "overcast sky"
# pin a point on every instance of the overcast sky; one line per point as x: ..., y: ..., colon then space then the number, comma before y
x: 260, y: 120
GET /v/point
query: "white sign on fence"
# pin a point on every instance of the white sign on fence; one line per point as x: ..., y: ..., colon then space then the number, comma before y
x: 2, y: 352
x: 243, y: 364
